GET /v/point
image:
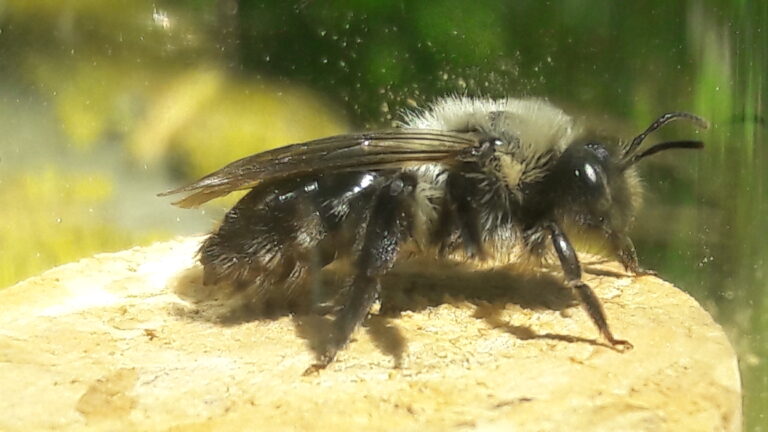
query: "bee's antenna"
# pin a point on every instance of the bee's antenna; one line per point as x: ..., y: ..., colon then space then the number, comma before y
x: 661, y: 121
x: 661, y: 147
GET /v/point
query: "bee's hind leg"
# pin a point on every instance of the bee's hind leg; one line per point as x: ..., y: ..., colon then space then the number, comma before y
x: 572, y: 270
x: 388, y: 226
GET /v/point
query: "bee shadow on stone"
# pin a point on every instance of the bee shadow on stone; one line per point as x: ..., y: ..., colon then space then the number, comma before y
x: 409, y: 287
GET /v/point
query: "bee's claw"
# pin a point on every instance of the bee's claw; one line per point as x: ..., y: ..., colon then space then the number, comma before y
x: 314, y: 369
x: 621, y: 345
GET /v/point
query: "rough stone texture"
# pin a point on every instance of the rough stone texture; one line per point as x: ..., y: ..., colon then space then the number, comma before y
x: 116, y: 342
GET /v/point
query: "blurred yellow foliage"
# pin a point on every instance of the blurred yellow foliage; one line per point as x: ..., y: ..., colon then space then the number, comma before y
x: 121, y: 81
x: 48, y: 218
x: 84, y: 105
x: 89, y: 99
x: 54, y: 7
x: 170, y: 109
x: 208, y: 119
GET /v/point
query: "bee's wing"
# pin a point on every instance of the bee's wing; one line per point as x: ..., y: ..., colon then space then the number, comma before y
x: 368, y: 151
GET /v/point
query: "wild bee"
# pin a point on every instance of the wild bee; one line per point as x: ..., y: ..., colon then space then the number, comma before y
x: 464, y: 179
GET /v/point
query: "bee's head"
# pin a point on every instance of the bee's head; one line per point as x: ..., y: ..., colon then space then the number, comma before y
x: 597, y: 185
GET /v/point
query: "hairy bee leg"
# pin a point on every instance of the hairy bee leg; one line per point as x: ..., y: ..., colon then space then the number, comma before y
x: 627, y: 254
x: 572, y: 270
x: 388, y: 226
x: 460, y: 213
x: 364, y: 292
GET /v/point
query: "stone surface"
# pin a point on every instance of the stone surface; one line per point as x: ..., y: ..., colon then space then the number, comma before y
x: 117, y: 342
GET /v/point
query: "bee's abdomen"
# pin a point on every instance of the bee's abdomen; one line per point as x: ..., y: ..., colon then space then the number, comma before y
x: 281, y: 229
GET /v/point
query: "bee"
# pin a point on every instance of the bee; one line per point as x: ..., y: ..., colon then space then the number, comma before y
x: 464, y: 179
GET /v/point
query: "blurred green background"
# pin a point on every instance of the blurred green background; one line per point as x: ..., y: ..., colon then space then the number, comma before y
x: 104, y: 103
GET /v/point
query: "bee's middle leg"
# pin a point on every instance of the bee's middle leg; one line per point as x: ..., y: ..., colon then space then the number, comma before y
x: 572, y: 270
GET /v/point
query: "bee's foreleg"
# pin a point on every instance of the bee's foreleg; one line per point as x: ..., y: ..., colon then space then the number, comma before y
x: 387, y: 227
x: 625, y: 251
x: 572, y: 270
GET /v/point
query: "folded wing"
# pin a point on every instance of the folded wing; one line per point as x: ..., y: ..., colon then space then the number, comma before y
x: 366, y: 151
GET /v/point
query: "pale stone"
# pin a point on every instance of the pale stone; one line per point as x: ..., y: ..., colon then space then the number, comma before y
x: 114, y: 342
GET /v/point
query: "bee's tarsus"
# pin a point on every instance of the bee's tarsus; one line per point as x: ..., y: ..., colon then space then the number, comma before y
x: 315, y: 368
x: 627, y: 255
x: 621, y: 345
x: 640, y: 271
x: 572, y: 270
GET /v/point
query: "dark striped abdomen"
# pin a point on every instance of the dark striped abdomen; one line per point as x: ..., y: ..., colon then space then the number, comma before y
x: 280, y: 229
